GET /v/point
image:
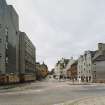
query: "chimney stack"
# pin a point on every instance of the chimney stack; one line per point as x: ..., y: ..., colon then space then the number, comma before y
x: 101, y: 46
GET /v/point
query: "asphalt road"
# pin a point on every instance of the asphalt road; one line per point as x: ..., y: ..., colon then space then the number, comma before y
x: 50, y: 93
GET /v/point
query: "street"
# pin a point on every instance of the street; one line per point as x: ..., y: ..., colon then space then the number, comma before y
x: 50, y: 93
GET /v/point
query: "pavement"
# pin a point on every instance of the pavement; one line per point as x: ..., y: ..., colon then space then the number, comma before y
x: 92, y: 101
x: 100, y: 100
x: 53, y: 92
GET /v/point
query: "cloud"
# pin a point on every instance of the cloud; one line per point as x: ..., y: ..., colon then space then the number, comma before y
x: 62, y: 27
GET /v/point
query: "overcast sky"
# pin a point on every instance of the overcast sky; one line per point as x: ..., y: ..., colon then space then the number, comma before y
x: 62, y: 28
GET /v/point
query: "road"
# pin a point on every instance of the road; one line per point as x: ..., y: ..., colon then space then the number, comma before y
x: 50, y: 93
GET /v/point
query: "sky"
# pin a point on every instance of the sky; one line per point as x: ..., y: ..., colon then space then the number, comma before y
x: 61, y: 28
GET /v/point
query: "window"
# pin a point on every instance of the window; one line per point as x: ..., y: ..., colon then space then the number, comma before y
x: 94, y: 74
x: 0, y: 55
x: 6, y: 45
x: 79, y: 66
x: 16, y: 32
x: 94, y: 71
x: 0, y: 26
x: 6, y: 30
x: 0, y: 40
x: 7, y: 38
x: 6, y: 59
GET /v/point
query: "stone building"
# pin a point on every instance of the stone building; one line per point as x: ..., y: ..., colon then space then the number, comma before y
x: 85, y: 66
x: 61, y: 68
x: 68, y: 66
x: 41, y: 70
x: 91, y: 65
x: 72, y: 71
x: 99, y: 64
x: 9, y: 30
x: 27, y: 58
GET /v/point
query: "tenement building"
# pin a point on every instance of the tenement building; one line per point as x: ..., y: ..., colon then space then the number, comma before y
x: 61, y: 68
x: 41, y: 71
x: 27, y: 58
x: 85, y: 66
x: 9, y: 28
x: 91, y: 65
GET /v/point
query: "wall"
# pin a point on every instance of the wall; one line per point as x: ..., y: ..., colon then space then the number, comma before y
x: 99, y: 71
